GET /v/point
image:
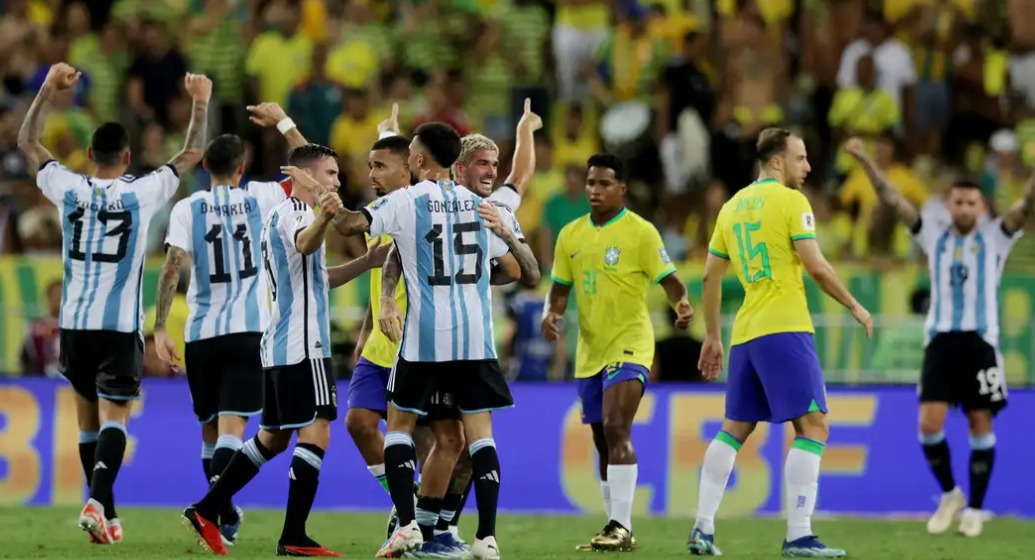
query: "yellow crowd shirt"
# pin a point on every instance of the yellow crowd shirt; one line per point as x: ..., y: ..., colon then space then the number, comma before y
x: 379, y: 349
x: 756, y: 231
x: 610, y: 268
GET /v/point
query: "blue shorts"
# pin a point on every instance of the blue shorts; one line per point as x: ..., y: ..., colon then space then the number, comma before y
x: 775, y: 378
x: 368, y: 385
x: 592, y: 389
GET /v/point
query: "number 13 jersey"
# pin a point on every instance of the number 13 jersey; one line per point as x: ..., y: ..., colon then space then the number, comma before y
x: 220, y: 228
x: 756, y: 231
x: 104, y: 225
x: 445, y: 251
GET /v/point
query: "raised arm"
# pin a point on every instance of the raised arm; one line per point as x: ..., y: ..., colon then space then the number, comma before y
x: 888, y: 194
x: 530, y: 274
x: 1022, y: 210
x: 175, y: 259
x: 523, y: 166
x: 271, y: 114
x: 60, y: 77
x: 200, y: 89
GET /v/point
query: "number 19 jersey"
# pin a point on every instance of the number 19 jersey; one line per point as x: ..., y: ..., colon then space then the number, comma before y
x: 445, y: 251
x: 756, y: 231
x: 220, y: 229
x: 104, y: 225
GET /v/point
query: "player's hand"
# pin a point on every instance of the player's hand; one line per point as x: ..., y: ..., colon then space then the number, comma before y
x: 377, y: 253
x: 62, y: 76
x: 303, y: 178
x: 711, y: 358
x: 266, y: 114
x: 493, y: 219
x: 684, y: 314
x: 530, y: 119
x: 391, y: 320
x: 855, y: 148
x: 199, y: 86
x: 331, y: 203
x: 551, y: 326
x: 166, y: 350
x: 863, y: 317
x: 391, y: 124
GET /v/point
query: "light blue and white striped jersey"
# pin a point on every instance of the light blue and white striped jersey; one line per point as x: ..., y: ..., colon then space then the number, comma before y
x: 300, y: 326
x: 965, y: 273
x: 445, y: 251
x: 104, y: 225
x: 220, y: 229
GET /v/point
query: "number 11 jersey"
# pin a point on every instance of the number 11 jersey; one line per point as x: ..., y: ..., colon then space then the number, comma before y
x: 446, y: 251
x: 756, y: 231
x: 220, y: 228
x: 104, y: 225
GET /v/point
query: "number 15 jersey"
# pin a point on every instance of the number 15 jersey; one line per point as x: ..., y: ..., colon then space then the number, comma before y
x: 756, y: 231
x: 104, y: 225
x: 220, y: 228
x: 445, y: 251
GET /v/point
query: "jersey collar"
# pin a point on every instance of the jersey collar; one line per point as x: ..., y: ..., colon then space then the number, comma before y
x: 764, y: 181
x: 609, y: 222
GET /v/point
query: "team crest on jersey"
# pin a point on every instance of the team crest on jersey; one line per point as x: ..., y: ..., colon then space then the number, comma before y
x: 378, y: 203
x: 98, y: 191
x: 611, y: 256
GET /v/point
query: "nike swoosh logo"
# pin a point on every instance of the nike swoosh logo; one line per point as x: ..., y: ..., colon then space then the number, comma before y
x: 573, y: 255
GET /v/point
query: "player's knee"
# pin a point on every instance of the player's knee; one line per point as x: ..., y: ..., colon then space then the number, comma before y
x: 616, y: 430
x: 979, y: 423
x: 813, y: 426
x: 275, y: 441
x: 931, y: 424
x: 360, y: 426
x: 318, y: 433
x: 450, y: 441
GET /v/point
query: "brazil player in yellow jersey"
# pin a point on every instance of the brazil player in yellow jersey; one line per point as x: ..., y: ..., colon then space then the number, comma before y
x: 610, y: 258
x: 767, y: 232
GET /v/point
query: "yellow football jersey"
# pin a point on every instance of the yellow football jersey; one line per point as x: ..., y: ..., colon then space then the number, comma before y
x: 756, y: 231
x: 610, y: 268
x: 379, y: 349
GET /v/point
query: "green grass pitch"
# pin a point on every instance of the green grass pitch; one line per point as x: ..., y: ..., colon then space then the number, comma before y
x: 157, y: 533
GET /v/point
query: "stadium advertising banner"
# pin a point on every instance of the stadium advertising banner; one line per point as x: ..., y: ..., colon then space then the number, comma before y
x: 873, y: 464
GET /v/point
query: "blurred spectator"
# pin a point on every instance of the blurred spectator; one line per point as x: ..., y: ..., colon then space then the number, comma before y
x: 315, y: 102
x: 441, y: 96
x: 21, y: 38
x: 39, y: 227
x: 863, y: 111
x: 675, y: 356
x: 529, y: 357
x: 576, y: 140
x: 41, y: 348
x: 428, y: 36
x: 156, y: 75
x: 488, y: 78
x: 1003, y: 183
x: 700, y: 223
x: 279, y: 57
x: 895, y: 71
x: 362, y: 49
x: 216, y: 47
x: 982, y: 94
x: 580, y: 26
x: 106, y: 62
x: 629, y: 61
x: 564, y: 207
x: 833, y: 226
x: 684, y: 113
x: 895, y: 355
x: 933, y: 30
x: 352, y: 134
x: 57, y: 51
x: 526, y: 26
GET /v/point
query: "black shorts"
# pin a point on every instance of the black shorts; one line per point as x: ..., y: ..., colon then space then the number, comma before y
x: 961, y: 369
x: 296, y: 395
x: 472, y: 386
x: 442, y: 407
x: 105, y: 364
x: 225, y: 376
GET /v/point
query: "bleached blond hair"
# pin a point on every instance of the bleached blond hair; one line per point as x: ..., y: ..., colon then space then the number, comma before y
x: 474, y: 143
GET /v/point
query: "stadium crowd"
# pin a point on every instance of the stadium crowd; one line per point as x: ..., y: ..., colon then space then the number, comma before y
x: 938, y: 89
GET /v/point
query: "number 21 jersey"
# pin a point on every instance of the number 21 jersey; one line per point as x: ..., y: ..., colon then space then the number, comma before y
x: 220, y: 229
x: 104, y: 225
x: 446, y: 251
x: 756, y: 231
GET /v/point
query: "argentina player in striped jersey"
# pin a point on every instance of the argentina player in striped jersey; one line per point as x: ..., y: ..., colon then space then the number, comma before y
x: 299, y: 385
x: 216, y: 233
x: 440, y: 231
x: 962, y: 364
x: 105, y: 220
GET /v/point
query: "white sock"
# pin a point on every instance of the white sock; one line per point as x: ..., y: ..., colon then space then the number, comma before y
x: 801, y: 483
x: 605, y: 490
x: 715, y: 473
x: 621, y: 479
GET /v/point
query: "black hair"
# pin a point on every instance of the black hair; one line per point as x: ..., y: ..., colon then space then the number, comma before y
x: 609, y: 161
x: 771, y: 141
x: 304, y: 155
x: 966, y: 184
x: 920, y: 301
x: 398, y: 145
x: 109, y: 142
x: 224, y: 155
x: 441, y: 142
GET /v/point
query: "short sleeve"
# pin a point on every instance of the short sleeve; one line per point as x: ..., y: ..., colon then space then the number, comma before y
x: 268, y: 194
x: 801, y: 223
x: 179, y: 233
x: 654, y: 258
x: 253, y: 65
x: 159, y: 185
x: 562, y: 261
x: 293, y: 220
x: 717, y: 244
x: 497, y: 247
x: 512, y: 222
x: 926, y: 233
x: 508, y: 196
x: 55, y: 180
x: 385, y: 214
x: 1004, y: 240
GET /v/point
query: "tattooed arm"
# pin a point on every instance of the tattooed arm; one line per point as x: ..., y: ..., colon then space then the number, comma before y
x: 200, y: 89
x: 887, y: 192
x: 175, y: 257
x: 270, y: 114
x: 519, y: 249
x: 1022, y: 210
x: 60, y: 77
x: 391, y: 318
